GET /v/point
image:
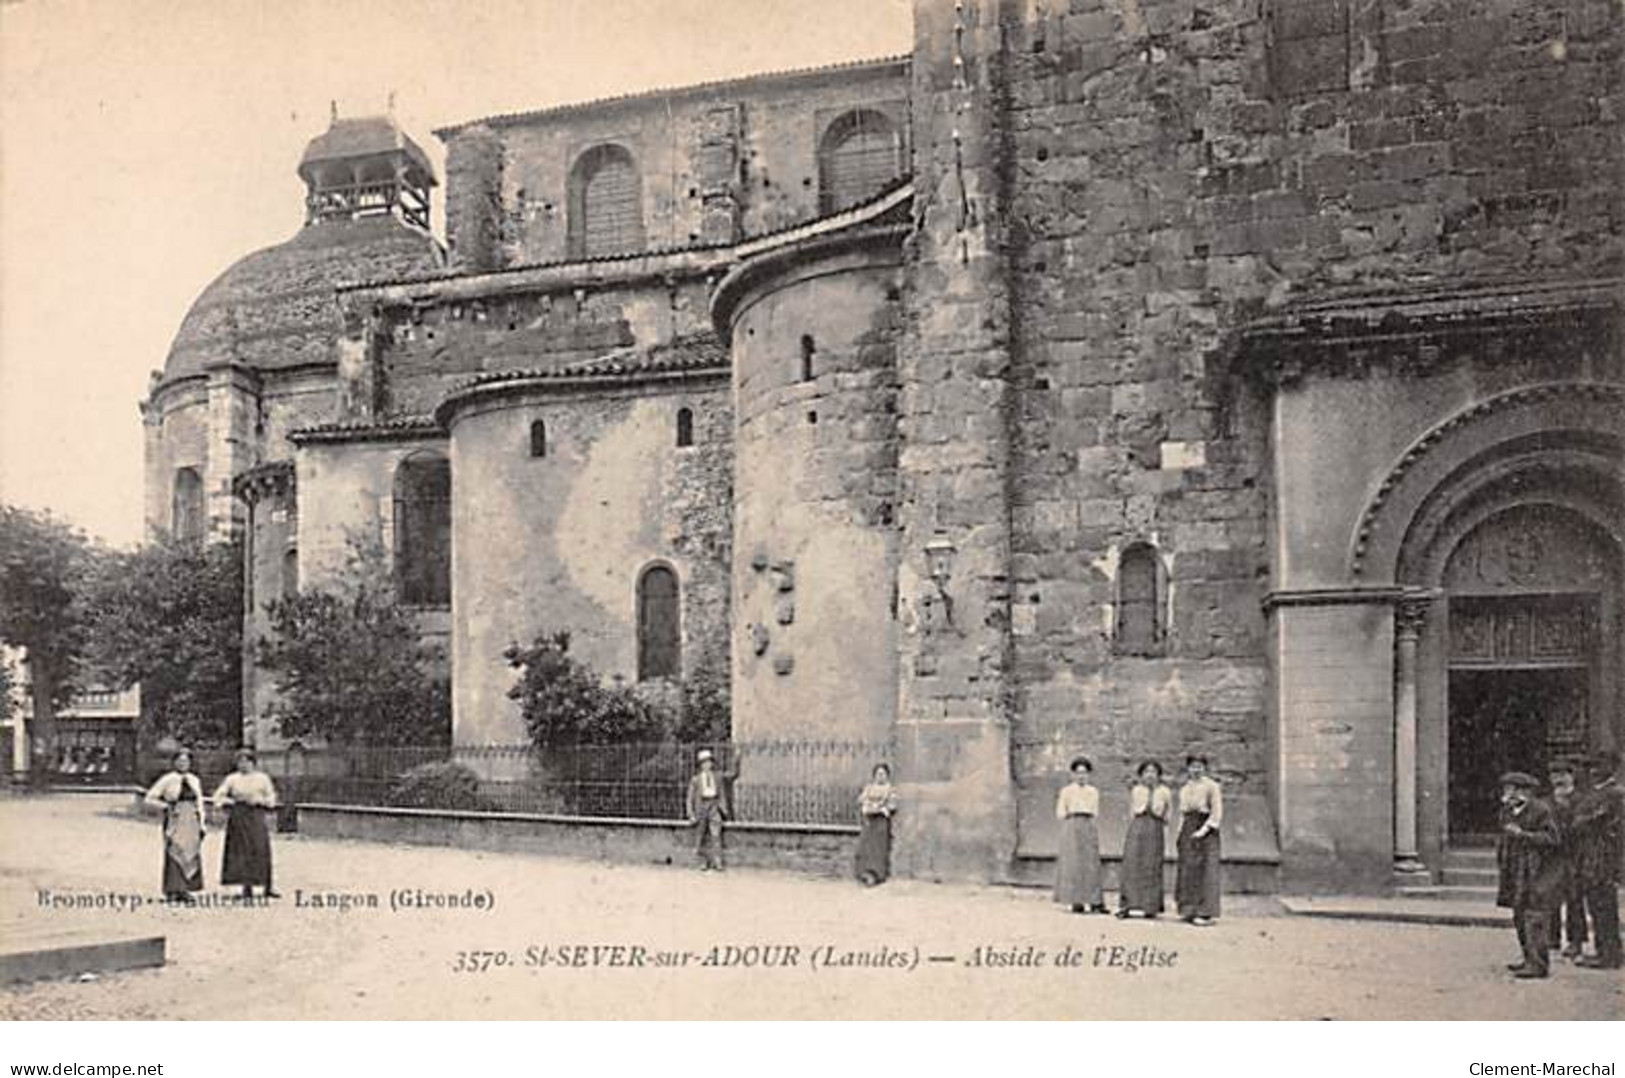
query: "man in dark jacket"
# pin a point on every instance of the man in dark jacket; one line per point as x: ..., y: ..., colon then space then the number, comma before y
x: 1531, y: 873
x: 1598, y: 818
x: 1569, y: 924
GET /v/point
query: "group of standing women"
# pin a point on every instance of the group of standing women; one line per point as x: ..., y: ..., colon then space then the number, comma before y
x: 246, y: 795
x: 1079, y: 880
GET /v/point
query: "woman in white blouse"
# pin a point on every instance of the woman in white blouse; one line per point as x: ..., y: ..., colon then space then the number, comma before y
x: 877, y: 804
x: 1201, y: 811
x: 180, y: 794
x: 249, y: 798
x: 1150, y: 803
x: 1078, y: 881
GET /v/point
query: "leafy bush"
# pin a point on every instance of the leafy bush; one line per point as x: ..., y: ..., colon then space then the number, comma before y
x: 441, y: 785
x: 564, y: 702
x: 350, y: 664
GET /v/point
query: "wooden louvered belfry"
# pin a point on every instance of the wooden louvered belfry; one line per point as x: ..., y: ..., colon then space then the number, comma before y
x: 859, y: 156
x: 606, y: 211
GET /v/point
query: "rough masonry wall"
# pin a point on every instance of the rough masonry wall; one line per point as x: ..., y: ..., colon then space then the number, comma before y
x: 424, y: 351
x: 814, y: 573
x: 290, y: 401
x: 954, y: 419
x: 713, y: 165
x: 541, y: 544
x: 1130, y: 431
x: 178, y: 422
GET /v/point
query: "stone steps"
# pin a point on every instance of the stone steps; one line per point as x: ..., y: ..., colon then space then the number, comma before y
x: 1448, y: 893
x: 1421, y: 911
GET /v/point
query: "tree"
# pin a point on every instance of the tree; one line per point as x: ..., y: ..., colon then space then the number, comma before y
x: 169, y: 615
x: 565, y: 703
x: 349, y: 663
x: 44, y: 564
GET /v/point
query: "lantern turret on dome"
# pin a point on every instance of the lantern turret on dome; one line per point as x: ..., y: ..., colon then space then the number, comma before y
x: 366, y: 166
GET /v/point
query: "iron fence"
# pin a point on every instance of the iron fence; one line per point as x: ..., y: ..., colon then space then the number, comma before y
x: 791, y: 782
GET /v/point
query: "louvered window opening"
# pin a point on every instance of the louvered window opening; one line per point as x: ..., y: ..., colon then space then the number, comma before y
x: 861, y: 159
x: 612, y: 221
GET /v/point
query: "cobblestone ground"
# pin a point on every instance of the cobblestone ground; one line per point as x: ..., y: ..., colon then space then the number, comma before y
x: 292, y: 961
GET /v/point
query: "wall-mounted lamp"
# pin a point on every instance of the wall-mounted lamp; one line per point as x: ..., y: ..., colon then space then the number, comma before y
x: 939, y: 560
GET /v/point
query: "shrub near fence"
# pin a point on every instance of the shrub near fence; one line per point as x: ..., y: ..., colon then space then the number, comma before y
x: 788, y: 782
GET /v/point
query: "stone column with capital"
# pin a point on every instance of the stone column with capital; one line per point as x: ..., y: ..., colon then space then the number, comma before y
x: 1409, y: 615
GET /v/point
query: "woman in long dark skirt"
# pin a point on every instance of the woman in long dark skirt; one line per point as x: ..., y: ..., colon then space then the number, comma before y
x: 1201, y: 810
x: 877, y: 805
x: 248, y: 797
x: 1150, y: 803
x: 1078, y: 879
x: 180, y: 794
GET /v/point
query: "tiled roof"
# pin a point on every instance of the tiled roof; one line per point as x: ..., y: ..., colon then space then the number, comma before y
x: 506, y: 119
x: 882, y: 200
x: 698, y: 355
x: 363, y: 136
x: 401, y: 427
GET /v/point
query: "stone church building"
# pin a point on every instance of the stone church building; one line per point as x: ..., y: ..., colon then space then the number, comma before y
x: 1124, y: 377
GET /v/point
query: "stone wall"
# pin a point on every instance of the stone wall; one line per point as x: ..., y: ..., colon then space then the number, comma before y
x: 715, y: 162
x: 558, y: 542
x: 178, y: 421
x: 1130, y: 431
x: 426, y: 349
x: 346, y: 490
x: 1175, y: 171
x: 817, y: 851
x: 814, y: 573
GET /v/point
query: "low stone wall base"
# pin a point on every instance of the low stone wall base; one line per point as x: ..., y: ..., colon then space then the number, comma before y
x: 813, y: 850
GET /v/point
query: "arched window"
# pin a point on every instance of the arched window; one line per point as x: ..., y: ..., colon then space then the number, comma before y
x: 860, y: 155
x: 423, y: 530
x: 186, y: 516
x: 1139, y: 607
x: 659, y: 625
x: 606, y: 211
x: 538, y: 439
x: 290, y: 573
x: 809, y: 350
x: 685, y: 428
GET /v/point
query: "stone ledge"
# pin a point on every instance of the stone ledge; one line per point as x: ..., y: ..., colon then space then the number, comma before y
x: 72, y: 954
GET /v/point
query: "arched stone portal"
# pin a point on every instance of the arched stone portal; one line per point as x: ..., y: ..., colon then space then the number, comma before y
x: 1509, y: 553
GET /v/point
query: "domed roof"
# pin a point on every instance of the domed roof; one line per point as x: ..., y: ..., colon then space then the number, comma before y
x: 275, y: 308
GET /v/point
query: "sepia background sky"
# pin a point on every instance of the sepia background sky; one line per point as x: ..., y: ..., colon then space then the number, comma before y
x: 145, y: 145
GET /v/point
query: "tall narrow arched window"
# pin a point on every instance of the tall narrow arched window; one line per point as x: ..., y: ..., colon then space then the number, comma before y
x: 659, y: 624
x: 1139, y: 605
x: 186, y: 514
x: 423, y: 530
x: 685, y: 428
x: 538, y: 439
x: 809, y: 352
x: 606, y: 210
x: 290, y: 573
x: 860, y: 155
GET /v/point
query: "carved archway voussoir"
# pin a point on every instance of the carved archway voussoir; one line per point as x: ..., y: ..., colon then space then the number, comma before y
x: 1450, y: 447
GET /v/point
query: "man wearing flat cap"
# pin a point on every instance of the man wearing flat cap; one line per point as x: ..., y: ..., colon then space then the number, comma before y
x: 1531, y: 881
x: 1597, y: 823
x: 708, y: 807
